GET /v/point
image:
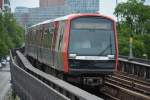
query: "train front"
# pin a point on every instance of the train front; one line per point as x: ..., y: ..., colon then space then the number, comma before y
x: 92, y: 47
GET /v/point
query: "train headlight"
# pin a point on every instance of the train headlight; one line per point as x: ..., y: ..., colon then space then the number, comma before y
x: 111, y: 56
x: 72, y: 56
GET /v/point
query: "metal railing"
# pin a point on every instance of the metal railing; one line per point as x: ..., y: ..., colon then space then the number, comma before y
x: 139, y: 60
x: 135, y: 67
x: 32, y: 84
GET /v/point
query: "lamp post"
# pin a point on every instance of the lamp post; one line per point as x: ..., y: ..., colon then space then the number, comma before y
x: 128, y: 19
x: 131, y: 46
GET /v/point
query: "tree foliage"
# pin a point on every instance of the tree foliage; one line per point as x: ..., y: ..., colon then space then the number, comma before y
x: 11, y: 35
x: 134, y: 18
x: 135, y: 15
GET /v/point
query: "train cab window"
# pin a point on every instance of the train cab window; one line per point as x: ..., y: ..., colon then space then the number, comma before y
x: 92, y: 36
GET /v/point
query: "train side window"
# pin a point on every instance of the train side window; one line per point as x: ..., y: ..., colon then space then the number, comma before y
x: 42, y: 38
x: 38, y: 37
x: 28, y: 36
x: 34, y: 34
x: 37, y: 34
x: 46, y: 36
x: 31, y: 37
x: 54, y: 33
x: 49, y: 35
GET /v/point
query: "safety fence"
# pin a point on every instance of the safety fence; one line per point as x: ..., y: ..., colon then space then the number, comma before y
x: 30, y: 83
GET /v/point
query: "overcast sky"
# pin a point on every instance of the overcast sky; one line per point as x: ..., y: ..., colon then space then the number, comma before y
x: 106, y: 6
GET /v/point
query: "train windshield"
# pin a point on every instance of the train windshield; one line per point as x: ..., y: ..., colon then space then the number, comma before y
x: 92, y: 36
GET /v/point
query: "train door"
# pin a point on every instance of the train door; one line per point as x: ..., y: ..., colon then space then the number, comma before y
x: 58, y: 48
x: 54, y: 37
x: 39, y: 57
x: 37, y: 41
x: 46, y: 45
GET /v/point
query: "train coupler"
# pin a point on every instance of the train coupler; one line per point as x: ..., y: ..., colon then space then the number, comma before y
x: 92, y: 81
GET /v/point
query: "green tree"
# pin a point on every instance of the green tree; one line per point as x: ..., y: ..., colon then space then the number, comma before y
x: 146, y: 41
x: 134, y: 17
x: 11, y: 35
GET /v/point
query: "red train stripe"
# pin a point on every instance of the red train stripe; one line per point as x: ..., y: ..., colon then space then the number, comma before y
x: 65, y: 51
x: 116, y: 46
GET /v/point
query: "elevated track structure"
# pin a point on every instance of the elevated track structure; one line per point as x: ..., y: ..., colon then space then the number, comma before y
x: 30, y: 83
x: 131, y: 82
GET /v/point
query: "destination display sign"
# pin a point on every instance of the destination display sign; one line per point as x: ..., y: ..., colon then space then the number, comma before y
x: 104, y: 26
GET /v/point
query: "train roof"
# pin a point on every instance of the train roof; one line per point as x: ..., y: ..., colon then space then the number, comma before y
x: 69, y: 16
x: 52, y: 20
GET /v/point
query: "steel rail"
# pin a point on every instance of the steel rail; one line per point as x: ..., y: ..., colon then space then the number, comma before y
x: 121, y: 87
x: 130, y: 84
x: 122, y: 93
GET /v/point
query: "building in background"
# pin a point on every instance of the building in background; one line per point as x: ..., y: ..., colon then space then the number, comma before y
x: 5, y: 5
x: 50, y: 9
x: 21, y: 10
x: 82, y: 6
x: 37, y: 15
x: 1, y: 5
x: 48, y: 3
x: 29, y: 16
x: 21, y: 15
x: 78, y: 6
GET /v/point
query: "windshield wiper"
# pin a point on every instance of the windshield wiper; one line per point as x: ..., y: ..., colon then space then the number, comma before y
x: 110, y: 45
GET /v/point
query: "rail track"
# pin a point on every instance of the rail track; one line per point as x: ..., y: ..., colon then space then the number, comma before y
x: 120, y: 87
x: 125, y: 86
x: 131, y: 82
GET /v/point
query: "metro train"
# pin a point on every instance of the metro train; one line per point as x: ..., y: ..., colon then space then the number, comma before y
x: 82, y: 48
